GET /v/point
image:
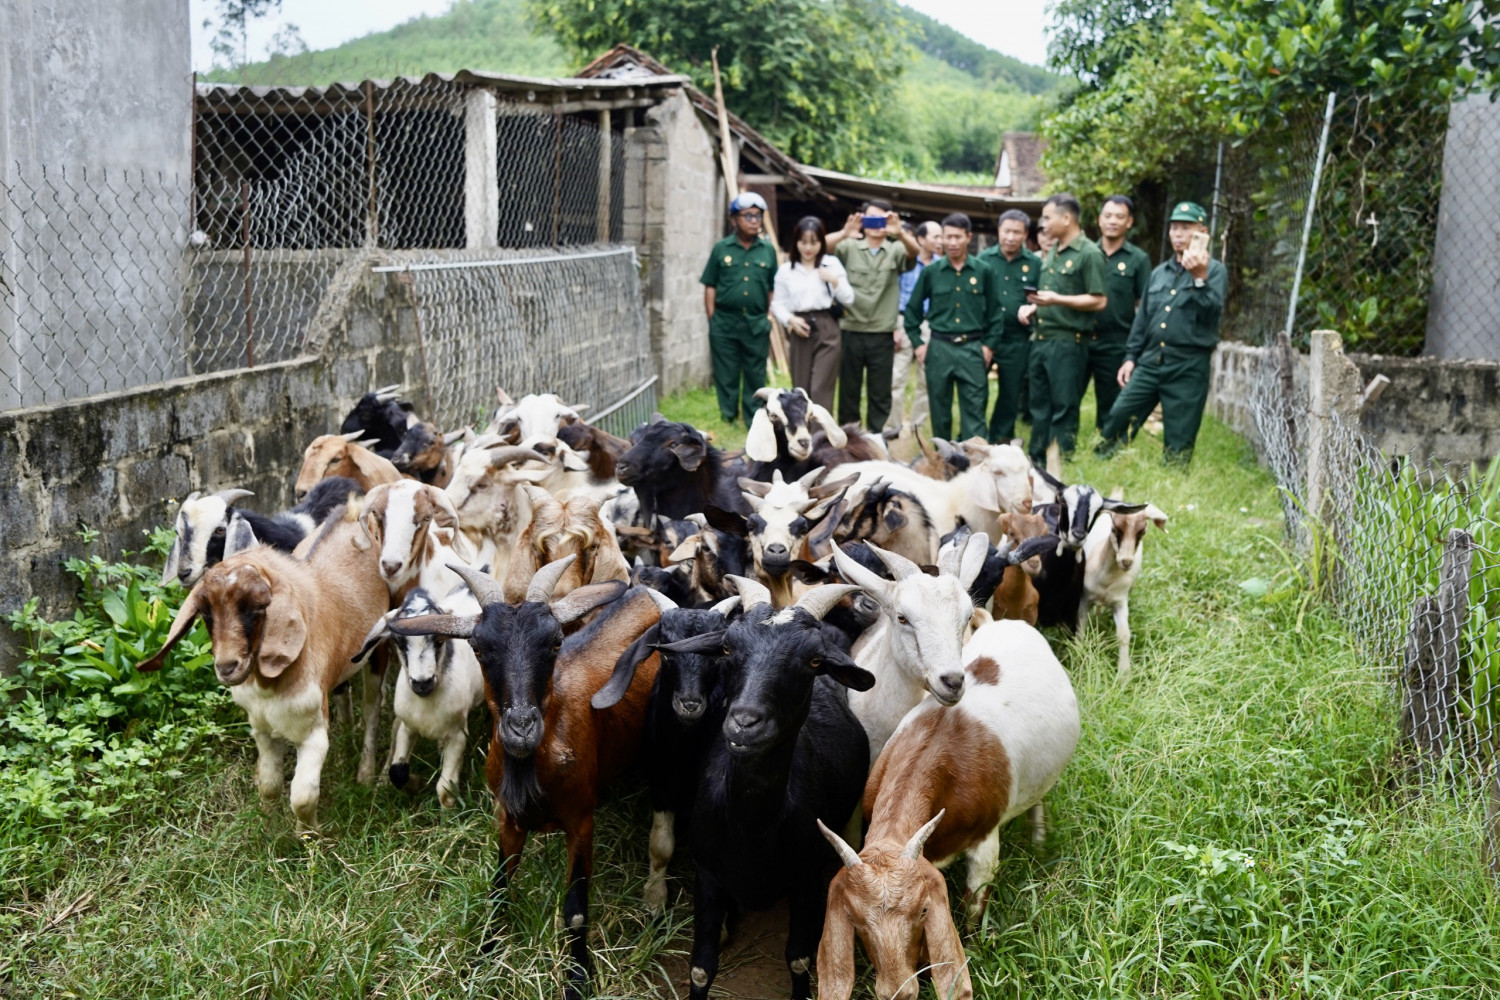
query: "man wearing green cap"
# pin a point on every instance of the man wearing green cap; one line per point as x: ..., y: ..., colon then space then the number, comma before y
x: 1127, y: 269
x: 737, y: 283
x: 1061, y: 313
x: 1171, y: 342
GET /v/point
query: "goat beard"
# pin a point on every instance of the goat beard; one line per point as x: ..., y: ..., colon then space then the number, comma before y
x: 521, y: 792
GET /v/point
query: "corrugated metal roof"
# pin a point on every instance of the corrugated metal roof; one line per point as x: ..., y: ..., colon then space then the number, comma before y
x: 573, y: 87
x: 924, y: 197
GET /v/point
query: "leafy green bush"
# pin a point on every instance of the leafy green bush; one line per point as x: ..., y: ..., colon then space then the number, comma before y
x: 83, y: 734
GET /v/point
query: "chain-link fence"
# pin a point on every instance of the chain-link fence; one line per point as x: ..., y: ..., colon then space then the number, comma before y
x: 112, y: 281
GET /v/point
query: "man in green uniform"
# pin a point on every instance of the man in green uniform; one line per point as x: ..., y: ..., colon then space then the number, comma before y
x: 1126, y: 271
x: 1013, y: 269
x: 737, y: 283
x: 874, y: 248
x: 956, y: 297
x: 1062, y: 312
x: 1171, y: 343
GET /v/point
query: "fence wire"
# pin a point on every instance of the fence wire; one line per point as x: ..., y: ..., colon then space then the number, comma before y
x: 116, y: 280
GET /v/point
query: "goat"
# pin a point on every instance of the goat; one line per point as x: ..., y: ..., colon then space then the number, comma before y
x: 788, y: 753
x: 379, y: 417
x: 917, y: 645
x: 672, y: 582
x: 685, y: 707
x: 415, y: 526
x: 536, y: 416
x: 551, y: 751
x: 284, y: 633
x: 948, y: 780
x: 781, y: 438
x: 1060, y: 582
x: 438, y: 686
x: 675, y: 472
x: 203, y: 521
x: 890, y: 518
x: 483, y: 494
x: 555, y: 530
x: 940, y: 460
x: 339, y: 455
x: 424, y: 453
x: 599, y: 448
x: 715, y: 556
x: 1003, y: 587
x: 1112, y: 561
x: 784, y: 515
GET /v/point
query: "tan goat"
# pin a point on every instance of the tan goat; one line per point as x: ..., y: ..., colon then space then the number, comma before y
x: 556, y: 529
x: 284, y: 632
x: 338, y: 455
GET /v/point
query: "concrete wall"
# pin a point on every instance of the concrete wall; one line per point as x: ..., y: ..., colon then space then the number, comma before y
x: 1462, y: 318
x: 116, y: 462
x: 1433, y: 408
x: 674, y: 213
x: 99, y: 96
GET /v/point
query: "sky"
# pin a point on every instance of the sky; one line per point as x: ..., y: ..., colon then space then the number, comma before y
x: 1010, y: 26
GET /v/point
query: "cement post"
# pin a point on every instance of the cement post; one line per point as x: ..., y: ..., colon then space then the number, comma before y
x: 481, y: 170
x: 1334, y: 392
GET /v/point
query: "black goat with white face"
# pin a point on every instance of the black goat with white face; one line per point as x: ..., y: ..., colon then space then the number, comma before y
x: 793, y: 435
x: 788, y: 754
x: 675, y: 472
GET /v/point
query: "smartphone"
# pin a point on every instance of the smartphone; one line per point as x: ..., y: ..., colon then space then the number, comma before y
x: 1198, y: 242
x: 1029, y: 289
x: 873, y: 222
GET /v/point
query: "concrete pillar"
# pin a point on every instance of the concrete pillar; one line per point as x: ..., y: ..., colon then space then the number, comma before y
x: 481, y: 170
x: 606, y: 160
x: 1333, y: 402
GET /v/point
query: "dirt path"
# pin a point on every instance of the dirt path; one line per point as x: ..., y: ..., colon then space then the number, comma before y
x: 750, y: 966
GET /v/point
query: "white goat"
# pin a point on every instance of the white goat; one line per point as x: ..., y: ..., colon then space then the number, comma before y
x: 535, y: 416
x: 416, y: 527
x: 1112, y: 561
x: 999, y: 484
x: 440, y: 683
x: 916, y: 647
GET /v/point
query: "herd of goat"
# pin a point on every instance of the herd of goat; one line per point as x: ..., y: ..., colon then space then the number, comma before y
x: 826, y: 661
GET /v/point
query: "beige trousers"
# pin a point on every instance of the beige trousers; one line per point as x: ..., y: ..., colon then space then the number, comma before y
x: 905, y: 365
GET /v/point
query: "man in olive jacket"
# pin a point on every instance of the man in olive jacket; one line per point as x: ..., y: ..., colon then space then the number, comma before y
x: 1171, y: 344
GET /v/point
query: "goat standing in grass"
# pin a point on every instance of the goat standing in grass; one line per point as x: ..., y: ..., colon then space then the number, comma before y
x: 1112, y: 561
x: 945, y: 784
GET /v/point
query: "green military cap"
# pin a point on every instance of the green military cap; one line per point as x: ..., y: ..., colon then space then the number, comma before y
x: 1188, y: 211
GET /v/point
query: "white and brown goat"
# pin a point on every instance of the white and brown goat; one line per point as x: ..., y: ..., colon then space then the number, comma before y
x: 1112, y: 560
x: 555, y: 530
x: 340, y: 455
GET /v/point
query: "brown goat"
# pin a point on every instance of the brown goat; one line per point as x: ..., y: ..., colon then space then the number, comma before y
x: 598, y: 448
x: 1016, y: 597
x: 338, y: 455
x: 284, y: 632
x: 556, y: 529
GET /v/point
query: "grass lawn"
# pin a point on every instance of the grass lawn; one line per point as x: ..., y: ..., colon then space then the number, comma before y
x: 1228, y: 828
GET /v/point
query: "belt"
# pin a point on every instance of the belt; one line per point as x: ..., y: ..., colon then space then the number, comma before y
x: 955, y: 338
x: 1077, y: 337
x: 742, y: 310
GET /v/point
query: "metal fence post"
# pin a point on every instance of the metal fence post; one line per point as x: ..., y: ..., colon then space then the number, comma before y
x: 1307, y: 218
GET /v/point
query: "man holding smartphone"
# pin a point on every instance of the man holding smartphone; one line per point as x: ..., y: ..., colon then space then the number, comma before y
x: 1167, y: 358
x: 874, y: 249
x: 1014, y: 271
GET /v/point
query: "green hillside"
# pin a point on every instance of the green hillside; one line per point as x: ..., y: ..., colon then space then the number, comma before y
x: 955, y: 100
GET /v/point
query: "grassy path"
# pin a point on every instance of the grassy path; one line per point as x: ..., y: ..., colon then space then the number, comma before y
x: 1227, y: 829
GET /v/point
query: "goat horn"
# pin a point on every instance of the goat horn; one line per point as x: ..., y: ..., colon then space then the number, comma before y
x: 846, y: 854
x: 230, y: 496
x: 754, y: 486
x: 485, y: 588
x: 352, y: 436
x: 577, y: 407
x: 727, y: 605
x: 453, y: 437
x: 900, y: 566
x: 752, y: 592
x: 389, y: 390
x: 809, y: 478
x: 513, y: 453
x: 545, y: 580
x: 765, y: 394
x: 820, y: 600
x: 858, y: 575
x: 663, y: 602
x: 913, y: 849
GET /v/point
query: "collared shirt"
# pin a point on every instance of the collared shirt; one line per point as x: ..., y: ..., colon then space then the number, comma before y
x: 908, y: 281
x: 800, y: 290
x: 873, y: 275
x: 1177, y: 312
x: 742, y: 276
x: 956, y: 302
x: 1011, y: 277
x: 1126, y: 273
x: 1075, y: 269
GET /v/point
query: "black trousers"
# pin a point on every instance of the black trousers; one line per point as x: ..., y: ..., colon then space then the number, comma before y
x: 866, y: 363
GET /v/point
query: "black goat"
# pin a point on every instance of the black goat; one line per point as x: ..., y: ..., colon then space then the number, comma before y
x: 423, y: 453
x: 382, y: 417
x: 781, y: 438
x: 676, y: 472
x: 789, y: 753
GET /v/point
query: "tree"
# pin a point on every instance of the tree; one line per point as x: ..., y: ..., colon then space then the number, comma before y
x: 813, y: 75
x: 1094, y: 39
x: 231, y: 42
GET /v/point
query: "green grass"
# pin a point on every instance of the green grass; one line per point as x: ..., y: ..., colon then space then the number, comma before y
x: 1239, y: 736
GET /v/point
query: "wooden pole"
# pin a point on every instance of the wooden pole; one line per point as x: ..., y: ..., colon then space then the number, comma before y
x: 372, y: 219
x: 606, y: 156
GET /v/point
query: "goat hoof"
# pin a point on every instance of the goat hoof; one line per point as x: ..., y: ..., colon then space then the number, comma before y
x: 656, y: 896
x: 366, y: 774
x: 400, y: 774
x: 446, y: 798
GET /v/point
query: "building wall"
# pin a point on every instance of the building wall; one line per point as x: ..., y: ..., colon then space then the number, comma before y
x: 95, y: 156
x: 674, y: 214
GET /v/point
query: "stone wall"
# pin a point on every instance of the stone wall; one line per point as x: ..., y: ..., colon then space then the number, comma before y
x: 1434, y: 408
x: 117, y: 462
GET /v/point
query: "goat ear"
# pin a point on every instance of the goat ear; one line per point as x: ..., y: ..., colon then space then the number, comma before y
x: 186, y: 615
x: 760, y: 443
x: 726, y: 521
x: 378, y: 633
x: 624, y: 673
x: 174, y: 557
x: 1156, y: 516
x: 686, y: 550
x: 840, y: 668
x: 372, y: 467
x: 972, y: 561
x: 282, y: 636
x: 982, y: 490
x: 1032, y: 547
x: 945, y: 950
x: 707, y: 642
x: 809, y: 572
x: 836, y: 949
x: 1049, y: 478
x: 820, y: 542
x: 836, y: 435
x: 241, y: 536
x: 690, y: 453
x: 581, y: 600
x: 571, y: 460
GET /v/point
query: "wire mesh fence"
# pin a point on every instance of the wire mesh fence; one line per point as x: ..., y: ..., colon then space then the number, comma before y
x: 113, y: 281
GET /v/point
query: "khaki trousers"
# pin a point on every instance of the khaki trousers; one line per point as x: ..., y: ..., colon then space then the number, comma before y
x: 815, y: 358
x: 905, y: 366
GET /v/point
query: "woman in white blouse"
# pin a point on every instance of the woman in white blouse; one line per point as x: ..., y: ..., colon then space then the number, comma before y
x: 807, y: 286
